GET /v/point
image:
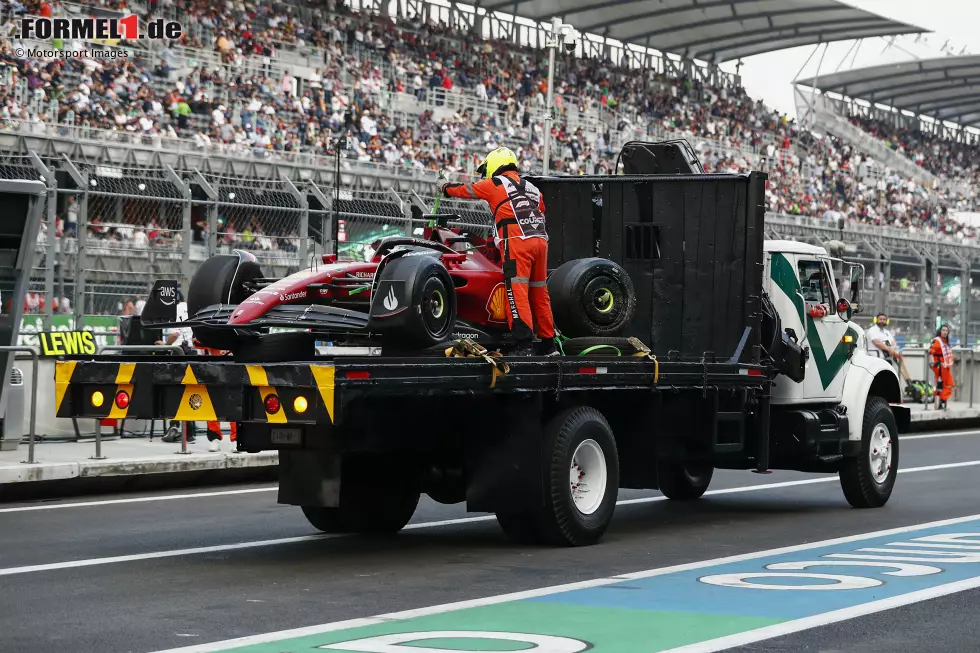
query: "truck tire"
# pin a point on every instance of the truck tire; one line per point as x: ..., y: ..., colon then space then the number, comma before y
x: 371, y: 503
x: 597, y: 347
x: 577, y: 511
x: 591, y: 297
x: 683, y: 481
x: 868, y: 479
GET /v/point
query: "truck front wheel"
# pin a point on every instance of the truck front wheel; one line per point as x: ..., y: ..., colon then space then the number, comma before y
x: 581, y: 481
x: 868, y: 479
x: 683, y: 481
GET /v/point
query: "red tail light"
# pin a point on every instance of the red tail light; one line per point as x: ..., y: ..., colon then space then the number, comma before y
x: 122, y: 399
x: 358, y: 375
x: 272, y: 404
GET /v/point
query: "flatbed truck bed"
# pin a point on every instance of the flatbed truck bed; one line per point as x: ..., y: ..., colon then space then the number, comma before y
x: 449, y: 427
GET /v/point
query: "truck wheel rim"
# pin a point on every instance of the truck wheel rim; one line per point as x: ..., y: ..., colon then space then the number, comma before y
x: 880, y: 453
x: 587, y: 477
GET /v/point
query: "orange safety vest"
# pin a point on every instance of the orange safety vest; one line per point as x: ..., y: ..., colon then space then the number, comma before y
x: 517, y: 204
x: 941, y: 352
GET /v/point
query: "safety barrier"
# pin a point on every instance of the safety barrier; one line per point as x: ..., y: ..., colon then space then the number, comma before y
x: 34, y: 364
x: 965, y: 369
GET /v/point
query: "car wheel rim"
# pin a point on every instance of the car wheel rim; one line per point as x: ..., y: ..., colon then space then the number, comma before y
x: 880, y: 453
x: 587, y: 477
x: 437, y: 305
x: 599, y: 299
x: 435, y: 309
x: 604, y: 300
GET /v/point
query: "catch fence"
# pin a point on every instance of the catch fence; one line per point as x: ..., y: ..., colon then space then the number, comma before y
x: 110, y: 230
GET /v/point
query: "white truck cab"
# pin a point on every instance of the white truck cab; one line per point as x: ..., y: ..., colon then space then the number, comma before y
x: 842, y: 406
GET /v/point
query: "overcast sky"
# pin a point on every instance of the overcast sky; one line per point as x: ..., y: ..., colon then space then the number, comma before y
x: 768, y: 76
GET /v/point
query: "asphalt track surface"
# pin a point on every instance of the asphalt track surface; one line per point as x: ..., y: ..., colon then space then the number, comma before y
x: 154, y: 571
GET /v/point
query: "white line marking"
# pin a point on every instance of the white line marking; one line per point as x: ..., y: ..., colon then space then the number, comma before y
x: 110, y: 502
x: 795, y: 626
x: 598, y: 582
x: 91, y: 562
x: 220, y: 493
x: 945, y: 434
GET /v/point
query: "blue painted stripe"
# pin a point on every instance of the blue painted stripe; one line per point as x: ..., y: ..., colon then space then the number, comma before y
x: 686, y: 591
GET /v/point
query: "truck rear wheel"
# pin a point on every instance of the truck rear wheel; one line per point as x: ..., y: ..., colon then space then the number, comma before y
x: 683, y: 481
x: 868, y: 479
x: 581, y: 481
x: 372, y: 503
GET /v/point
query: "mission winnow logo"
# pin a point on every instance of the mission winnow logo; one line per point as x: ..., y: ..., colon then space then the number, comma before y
x: 126, y: 28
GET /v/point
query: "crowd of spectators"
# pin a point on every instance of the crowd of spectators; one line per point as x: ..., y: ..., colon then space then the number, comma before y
x: 368, y: 64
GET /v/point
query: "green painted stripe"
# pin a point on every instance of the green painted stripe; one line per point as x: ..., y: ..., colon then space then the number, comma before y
x: 608, y: 630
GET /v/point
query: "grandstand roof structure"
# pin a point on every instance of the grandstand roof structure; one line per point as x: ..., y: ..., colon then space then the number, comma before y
x: 945, y: 88
x: 713, y: 30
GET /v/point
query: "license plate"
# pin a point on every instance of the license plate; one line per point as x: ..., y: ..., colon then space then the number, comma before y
x: 287, y: 436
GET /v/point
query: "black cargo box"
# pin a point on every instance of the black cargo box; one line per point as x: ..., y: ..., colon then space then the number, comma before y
x: 692, y: 244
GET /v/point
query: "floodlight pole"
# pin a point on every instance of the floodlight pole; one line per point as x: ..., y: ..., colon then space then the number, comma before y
x: 553, y: 42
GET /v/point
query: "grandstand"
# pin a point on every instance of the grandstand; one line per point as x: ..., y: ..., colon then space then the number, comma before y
x: 233, y: 136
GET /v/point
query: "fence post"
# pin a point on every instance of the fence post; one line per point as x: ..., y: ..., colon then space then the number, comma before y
x: 212, y: 205
x: 304, y: 220
x: 327, y: 244
x: 52, y: 243
x: 81, y: 181
x: 186, y: 231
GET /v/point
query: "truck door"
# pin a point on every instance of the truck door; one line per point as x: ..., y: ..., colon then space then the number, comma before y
x: 825, y: 333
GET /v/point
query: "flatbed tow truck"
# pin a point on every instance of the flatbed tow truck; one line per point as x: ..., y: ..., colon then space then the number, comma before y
x: 741, y: 355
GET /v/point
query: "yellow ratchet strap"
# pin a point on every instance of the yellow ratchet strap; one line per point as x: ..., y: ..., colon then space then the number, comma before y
x: 466, y: 348
x: 642, y: 351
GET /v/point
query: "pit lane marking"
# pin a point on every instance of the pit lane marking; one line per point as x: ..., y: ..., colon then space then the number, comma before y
x: 155, y: 555
x: 419, y: 631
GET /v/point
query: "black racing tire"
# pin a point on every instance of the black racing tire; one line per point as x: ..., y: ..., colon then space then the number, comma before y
x: 597, y: 347
x: 683, y: 481
x: 561, y: 522
x: 591, y: 297
x: 863, y: 488
x: 276, y: 348
x: 431, y: 315
x: 219, y: 280
x: 379, y: 502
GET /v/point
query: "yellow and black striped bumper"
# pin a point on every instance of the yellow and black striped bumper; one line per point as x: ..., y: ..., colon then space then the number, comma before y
x: 205, y: 391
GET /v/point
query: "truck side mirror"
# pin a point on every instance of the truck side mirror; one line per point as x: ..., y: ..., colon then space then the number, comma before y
x: 844, y: 309
x: 857, y: 278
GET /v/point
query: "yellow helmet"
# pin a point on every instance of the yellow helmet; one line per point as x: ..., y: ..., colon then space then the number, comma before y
x: 496, y: 160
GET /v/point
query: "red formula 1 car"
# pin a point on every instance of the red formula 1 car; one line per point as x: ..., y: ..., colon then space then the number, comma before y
x: 415, y: 293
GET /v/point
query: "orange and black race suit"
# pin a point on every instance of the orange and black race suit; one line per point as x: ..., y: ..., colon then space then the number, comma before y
x: 521, y: 237
x: 942, y: 367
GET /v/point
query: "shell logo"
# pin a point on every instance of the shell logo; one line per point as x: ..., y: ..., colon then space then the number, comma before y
x: 497, y: 304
